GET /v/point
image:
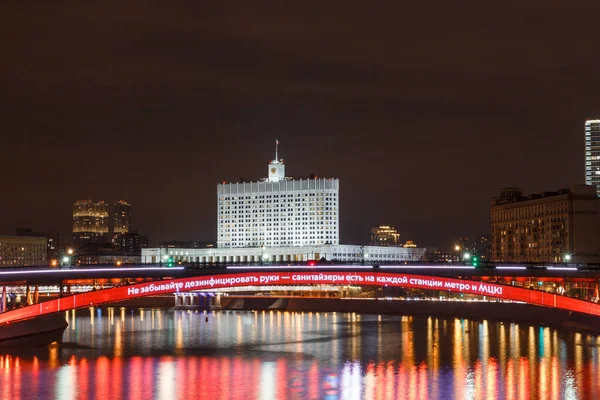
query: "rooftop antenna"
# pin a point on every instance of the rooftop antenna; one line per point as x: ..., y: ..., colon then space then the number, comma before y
x: 276, y: 145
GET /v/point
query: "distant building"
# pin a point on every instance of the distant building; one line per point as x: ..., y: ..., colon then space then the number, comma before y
x: 592, y: 153
x: 475, y: 245
x: 23, y: 251
x: 52, y: 240
x: 278, y: 211
x: 130, y: 244
x: 107, y: 259
x: 187, y: 244
x: 384, y: 235
x: 90, y: 222
x: 121, y: 217
x: 409, y: 244
x: 561, y: 226
x: 433, y: 254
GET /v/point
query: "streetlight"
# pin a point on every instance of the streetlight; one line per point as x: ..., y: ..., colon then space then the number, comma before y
x: 467, y: 256
x: 457, y: 250
x: 70, y: 251
x: 567, y: 257
x: 66, y: 261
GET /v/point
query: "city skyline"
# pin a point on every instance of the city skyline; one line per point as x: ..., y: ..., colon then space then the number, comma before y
x: 421, y: 131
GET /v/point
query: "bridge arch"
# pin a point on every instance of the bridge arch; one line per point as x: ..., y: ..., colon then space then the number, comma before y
x: 371, y: 278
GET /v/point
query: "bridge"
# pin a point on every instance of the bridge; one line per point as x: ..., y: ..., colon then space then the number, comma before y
x: 512, y: 283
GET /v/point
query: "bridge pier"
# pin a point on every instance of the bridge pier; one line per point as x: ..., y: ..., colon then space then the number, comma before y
x: 206, y: 302
x: 3, y: 300
x: 28, y: 296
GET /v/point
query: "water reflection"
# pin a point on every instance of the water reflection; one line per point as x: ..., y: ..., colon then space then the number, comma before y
x: 143, y: 354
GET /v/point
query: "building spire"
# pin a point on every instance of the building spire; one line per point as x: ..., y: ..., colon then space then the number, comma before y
x: 276, y: 146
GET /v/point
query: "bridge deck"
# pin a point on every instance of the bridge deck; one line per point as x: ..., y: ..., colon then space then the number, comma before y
x: 341, y: 276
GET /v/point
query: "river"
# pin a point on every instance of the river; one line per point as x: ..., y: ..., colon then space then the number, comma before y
x: 112, y: 353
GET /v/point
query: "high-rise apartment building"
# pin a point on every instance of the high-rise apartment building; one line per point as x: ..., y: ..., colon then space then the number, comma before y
x: 561, y: 226
x: 90, y: 221
x: 278, y: 211
x: 385, y: 235
x: 592, y: 153
x: 121, y: 217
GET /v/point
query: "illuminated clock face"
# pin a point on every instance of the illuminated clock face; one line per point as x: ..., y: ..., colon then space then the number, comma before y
x: 273, y: 170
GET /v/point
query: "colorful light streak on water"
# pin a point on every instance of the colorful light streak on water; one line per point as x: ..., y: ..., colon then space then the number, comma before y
x: 146, y: 354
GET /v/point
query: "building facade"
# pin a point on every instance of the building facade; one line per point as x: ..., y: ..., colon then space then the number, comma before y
x: 480, y: 246
x: 16, y: 251
x: 384, y: 235
x: 90, y: 221
x: 278, y: 211
x: 121, y: 217
x: 561, y: 226
x: 130, y: 243
x: 592, y: 153
x: 52, y: 240
x: 340, y: 253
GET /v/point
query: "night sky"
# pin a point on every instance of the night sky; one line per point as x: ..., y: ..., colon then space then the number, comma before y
x: 422, y: 109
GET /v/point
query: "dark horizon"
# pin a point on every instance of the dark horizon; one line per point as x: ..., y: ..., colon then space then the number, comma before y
x: 423, y: 111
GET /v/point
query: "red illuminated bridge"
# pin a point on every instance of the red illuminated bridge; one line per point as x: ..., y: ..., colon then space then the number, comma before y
x: 274, y: 276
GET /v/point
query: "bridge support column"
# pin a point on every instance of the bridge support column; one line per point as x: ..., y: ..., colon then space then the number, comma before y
x: 3, y: 300
x: 202, y: 302
x: 217, y: 303
x: 28, y: 296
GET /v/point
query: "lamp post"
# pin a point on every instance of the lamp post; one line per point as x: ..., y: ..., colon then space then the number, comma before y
x: 65, y: 261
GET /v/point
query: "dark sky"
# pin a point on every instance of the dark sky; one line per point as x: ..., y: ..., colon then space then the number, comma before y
x: 423, y: 109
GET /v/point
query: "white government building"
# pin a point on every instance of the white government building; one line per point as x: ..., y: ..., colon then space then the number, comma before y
x: 280, y: 219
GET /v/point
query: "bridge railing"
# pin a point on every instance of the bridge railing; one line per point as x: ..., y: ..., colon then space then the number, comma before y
x: 316, y: 263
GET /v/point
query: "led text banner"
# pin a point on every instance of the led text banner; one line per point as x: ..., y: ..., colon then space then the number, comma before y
x: 101, y: 297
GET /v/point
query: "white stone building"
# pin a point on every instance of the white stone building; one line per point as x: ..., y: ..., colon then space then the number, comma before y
x: 280, y: 219
x: 340, y: 252
x: 278, y: 211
